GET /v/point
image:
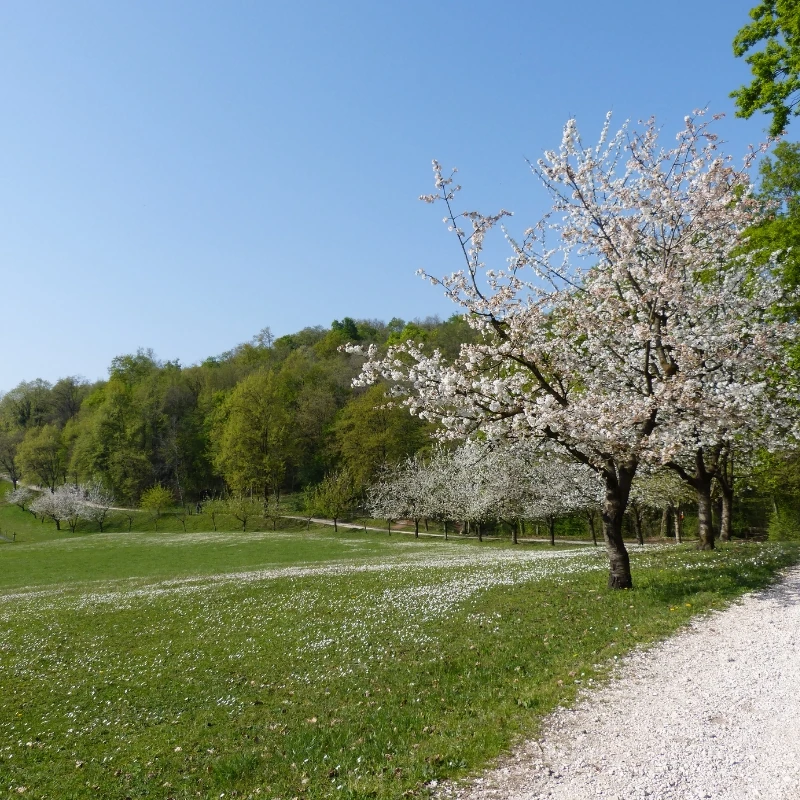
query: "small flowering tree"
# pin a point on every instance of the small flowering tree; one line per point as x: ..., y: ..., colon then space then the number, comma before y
x: 479, y: 483
x: 66, y: 503
x: 98, y: 503
x: 640, y: 335
x: 21, y: 496
x: 46, y: 505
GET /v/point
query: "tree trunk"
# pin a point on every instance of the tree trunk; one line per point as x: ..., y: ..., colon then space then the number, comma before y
x: 677, y: 521
x: 445, y: 530
x: 480, y: 531
x: 551, y: 527
x: 335, y: 526
x: 389, y: 526
x: 637, y: 525
x: 514, y: 534
x: 705, y: 527
x: 416, y: 528
x: 707, y: 467
x: 726, y: 519
x: 725, y: 480
x: 664, y: 522
x: 618, y: 487
x: 592, y: 529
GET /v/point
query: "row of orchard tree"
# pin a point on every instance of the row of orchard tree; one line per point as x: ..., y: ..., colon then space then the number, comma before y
x: 481, y: 484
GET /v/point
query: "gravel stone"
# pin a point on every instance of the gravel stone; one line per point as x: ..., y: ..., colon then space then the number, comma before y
x: 713, y: 712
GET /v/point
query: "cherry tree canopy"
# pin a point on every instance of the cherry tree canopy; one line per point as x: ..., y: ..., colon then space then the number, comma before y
x: 628, y: 326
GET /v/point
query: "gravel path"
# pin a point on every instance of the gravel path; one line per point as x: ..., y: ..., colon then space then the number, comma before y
x: 714, y: 712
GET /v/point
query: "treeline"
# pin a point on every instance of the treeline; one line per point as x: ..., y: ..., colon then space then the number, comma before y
x: 269, y: 416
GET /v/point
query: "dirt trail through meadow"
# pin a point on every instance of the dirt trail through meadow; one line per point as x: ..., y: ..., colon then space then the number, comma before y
x: 714, y: 712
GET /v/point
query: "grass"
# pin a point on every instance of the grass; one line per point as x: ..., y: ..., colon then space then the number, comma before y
x: 311, y: 665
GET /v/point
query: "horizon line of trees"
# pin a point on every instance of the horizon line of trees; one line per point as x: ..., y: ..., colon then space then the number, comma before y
x: 272, y: 415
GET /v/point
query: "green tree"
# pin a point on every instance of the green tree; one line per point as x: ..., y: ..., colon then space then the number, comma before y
x: 9, y: 446
x: 66, y: 397
x: 370, y: 434
x: 43, y: 457
x: 243, y: 507
x: 780, y: 231
x: 27, y: 405
x: 214, y: 508
x: 775, y: 87
x: 335, y: 497
x: 252, y: 435
x: 155, y: 500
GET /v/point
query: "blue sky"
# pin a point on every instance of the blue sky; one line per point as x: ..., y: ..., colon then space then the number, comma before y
x: 180, y: 175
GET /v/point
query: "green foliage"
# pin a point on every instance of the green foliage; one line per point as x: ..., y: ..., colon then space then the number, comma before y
x: 244, y: 507
x: 42, y: 456
x: 775, y: 87
x: 780, y: 230
x: 27, y: 405
x: 336, y: 496
x: 369, y: 434
x: 10, y: 441
x: 214, y: 508
x: 268, y: 416
x: 251, y: 434
x: 155, y: 501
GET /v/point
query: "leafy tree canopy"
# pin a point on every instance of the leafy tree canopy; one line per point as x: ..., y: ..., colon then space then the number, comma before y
x: 775, y: 88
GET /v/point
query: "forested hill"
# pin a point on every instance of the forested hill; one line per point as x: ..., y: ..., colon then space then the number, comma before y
x: 269, y: 415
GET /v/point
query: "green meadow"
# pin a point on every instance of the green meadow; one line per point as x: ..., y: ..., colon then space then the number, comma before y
x: 308, y: 664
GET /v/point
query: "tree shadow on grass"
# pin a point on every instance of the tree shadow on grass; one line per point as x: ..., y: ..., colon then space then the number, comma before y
x: 724, y: 581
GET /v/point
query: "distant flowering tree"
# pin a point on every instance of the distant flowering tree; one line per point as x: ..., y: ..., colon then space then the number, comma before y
x: 21, y: 496
x: 479, y: 483
x: 67, y: 503
x: 98, y: 502
x: 661, y: 490
x: 46, y: 505
x: 404, y: 492
x: 641, y: 335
